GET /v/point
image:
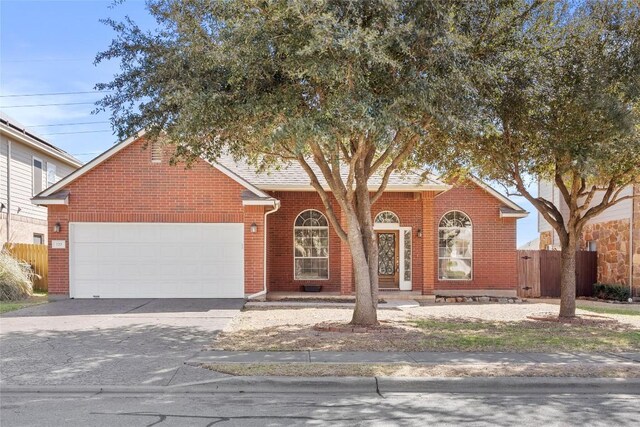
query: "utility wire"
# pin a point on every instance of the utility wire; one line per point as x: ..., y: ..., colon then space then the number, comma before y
x: 53, y: 93
x: 73, y: 133
x: 45, y: 105
x: 49, y: 60
x: 66, y: 124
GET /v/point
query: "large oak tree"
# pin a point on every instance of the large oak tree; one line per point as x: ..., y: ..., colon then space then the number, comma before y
x: 563, y: 107
x: 350, y: 89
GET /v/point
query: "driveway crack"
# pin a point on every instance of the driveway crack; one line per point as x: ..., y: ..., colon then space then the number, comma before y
x: 140, y: 306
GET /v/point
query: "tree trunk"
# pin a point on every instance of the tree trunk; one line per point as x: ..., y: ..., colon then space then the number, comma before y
x: 362, y: 204
x: 365, y: 312
x: 568, y: 277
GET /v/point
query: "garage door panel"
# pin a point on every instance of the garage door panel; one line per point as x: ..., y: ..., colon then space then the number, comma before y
x: 149, y: 260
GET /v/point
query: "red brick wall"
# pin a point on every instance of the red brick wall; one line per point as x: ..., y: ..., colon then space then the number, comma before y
x: 280, y: 243
x: 253, y: 249
x: 128, y: 187
x: 407, y: 206
x: 58, y: 281
x: 494, y: 239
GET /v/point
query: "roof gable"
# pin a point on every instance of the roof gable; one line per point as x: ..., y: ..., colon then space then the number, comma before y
x: 50, y: 193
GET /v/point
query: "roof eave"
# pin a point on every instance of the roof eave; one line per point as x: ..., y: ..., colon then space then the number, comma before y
x: 45, y: 201
x: 36, y: 145
x: 265, y: 202
x: 514, y: 214
x: 390, y: 188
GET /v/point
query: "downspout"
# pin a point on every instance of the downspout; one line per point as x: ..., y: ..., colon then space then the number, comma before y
x: 276, y: 206
x: 8, y: 189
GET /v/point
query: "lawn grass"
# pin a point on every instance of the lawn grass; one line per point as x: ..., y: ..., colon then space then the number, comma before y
x: 527, y: 336
x: 610, y: 310
x: 417, y: 370
x: 36, y: 299
x: 435, y: 334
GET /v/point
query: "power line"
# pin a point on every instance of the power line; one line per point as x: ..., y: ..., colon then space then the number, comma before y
x: 49, y: 60
x: 66, y: 124
x: 73, y: 133
x: 85, y: 154
x: 46, y: 105
x: 53, y: 93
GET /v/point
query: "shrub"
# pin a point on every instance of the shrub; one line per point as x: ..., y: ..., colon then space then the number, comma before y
x: 15, y: 278
x: 612, y: 292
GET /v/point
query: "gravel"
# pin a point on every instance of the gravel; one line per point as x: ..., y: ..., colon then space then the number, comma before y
x: 259, y: 319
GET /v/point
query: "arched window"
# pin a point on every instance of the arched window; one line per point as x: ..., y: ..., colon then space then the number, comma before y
x: 386, y: 217
x: 311, y: 246
x: 455, y: 252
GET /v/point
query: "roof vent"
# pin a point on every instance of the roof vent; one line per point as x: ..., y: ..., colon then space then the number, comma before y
x: 156, y: 152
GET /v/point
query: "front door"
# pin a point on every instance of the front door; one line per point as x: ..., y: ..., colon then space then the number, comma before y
x: 388, y: 260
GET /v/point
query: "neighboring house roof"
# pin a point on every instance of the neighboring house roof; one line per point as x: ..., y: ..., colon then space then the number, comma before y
x: 18, y: 131
x: 531, y: 245
x: 290, y: 177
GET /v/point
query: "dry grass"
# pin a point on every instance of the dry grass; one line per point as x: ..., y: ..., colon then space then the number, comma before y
x: 15, y: 278
x: 415, y: 370
x: 283, y: 330
x: 36, y: 299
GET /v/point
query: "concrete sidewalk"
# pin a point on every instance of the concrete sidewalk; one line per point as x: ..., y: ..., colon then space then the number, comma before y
x: 423, y: 357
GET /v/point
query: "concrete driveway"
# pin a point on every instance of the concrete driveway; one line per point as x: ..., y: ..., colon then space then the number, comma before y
x: 110, y: 341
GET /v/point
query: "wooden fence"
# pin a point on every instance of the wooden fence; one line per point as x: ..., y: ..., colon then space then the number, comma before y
x: 36, y: 256
x: 539, y: 273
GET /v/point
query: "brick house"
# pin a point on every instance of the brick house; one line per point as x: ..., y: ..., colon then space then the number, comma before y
x: 128, y: 224
x: 614, y: 234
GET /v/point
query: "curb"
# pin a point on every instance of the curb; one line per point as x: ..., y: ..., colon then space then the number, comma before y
x: 341, y: 385
x: 511, y: 385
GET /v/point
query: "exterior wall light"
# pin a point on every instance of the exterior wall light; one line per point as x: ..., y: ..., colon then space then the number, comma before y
x: 419, y: 233
x: 254, y: 228
x: 57, y: 227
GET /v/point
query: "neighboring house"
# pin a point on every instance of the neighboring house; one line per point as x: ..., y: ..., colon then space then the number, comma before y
x: 128, y: 224
x: 28, y: 165
x: 532, y: 245
x: 614, y: 234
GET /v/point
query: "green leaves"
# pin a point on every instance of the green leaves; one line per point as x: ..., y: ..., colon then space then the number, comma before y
x: 267, y: 76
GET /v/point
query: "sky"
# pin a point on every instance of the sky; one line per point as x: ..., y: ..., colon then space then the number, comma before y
x: 47, y: 50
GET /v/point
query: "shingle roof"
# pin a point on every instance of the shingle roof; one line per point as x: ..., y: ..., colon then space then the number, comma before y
x: 292, y: 176
x: 12, y: 123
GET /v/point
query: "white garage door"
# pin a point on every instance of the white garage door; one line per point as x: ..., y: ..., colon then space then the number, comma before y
x: 152, y: 260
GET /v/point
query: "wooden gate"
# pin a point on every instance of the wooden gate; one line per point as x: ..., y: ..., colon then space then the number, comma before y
x: 36, y: 257
x: 539, y: 273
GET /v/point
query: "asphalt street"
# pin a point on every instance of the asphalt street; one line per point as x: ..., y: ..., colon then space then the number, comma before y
x: 344, y: 409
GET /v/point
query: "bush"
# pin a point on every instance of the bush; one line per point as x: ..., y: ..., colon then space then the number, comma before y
x: 15, y: 278
x: 612, y: 292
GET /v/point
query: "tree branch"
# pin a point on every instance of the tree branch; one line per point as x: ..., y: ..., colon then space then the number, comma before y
x: 335, y: 223
x: 393, y: 166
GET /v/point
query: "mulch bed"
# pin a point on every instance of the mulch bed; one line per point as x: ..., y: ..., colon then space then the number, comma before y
x: 348, y: 328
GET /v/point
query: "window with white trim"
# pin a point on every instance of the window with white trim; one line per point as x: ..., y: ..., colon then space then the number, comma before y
x: 455, y: 238
x: 311, y: 246
x: 386, y: 217
x: 37, y: 176
x: 51, y: 174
